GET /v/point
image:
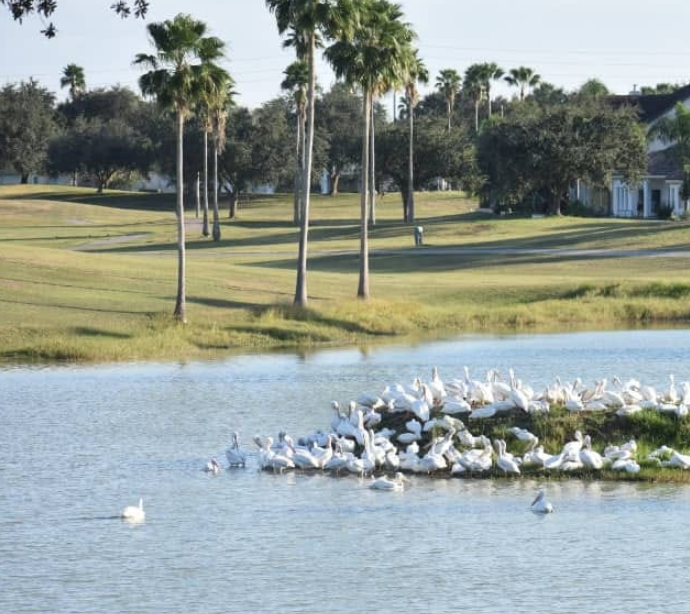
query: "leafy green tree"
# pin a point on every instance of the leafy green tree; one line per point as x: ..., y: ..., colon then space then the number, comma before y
x: 103, y: 149
x: 338, y: 115
x: 547, y: 94
x: 257, y: 145
x: 174, y: 82
x: 522, y: 78
x: 375, y: 57
x: 592, y: 89
x: 448, y: 84
x: 115, y: 102
x: 308, y: 20
x: 73, y: 78
x: 548, y: 149
x: 438, y: 153
x: 27, y: 124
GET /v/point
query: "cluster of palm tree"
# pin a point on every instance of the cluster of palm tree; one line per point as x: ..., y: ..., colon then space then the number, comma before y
x: 477, y: 82
x: 371, y: 48
x: 184, y: 76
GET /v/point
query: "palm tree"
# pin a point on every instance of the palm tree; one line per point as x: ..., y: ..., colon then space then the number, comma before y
x: 296, y: 81
x: 492, y: 72
x: 375, y: 58
x: 522, y: 77
x: 417, y: 73
x: 73, y: 77
x: 309, y: 19
x: 213, y: 88
x: 475, y: 88
x: 174, y: 81
x: 448, y: 83
x: 220, y: 109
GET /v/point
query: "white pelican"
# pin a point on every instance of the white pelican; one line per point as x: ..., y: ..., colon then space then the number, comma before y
x: 524, y: 435
x: 235, y: 456
x: 541, y: 505
x: 588, y: 457
x: 212, y: 466
x: 504, y: 461
x: 134, y: 513
x: 383, y: 483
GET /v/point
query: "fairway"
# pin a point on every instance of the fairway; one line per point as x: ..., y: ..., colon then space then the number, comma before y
x: 93, y: 277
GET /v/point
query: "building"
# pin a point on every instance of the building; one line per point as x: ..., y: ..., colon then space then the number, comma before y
x: 661, y: 186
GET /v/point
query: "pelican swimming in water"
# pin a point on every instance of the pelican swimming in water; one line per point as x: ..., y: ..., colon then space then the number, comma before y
x: 383, y: 483
x: 134, y: 513
x: 212, y: 466
x: 540, y: 505
x: 235, y: 456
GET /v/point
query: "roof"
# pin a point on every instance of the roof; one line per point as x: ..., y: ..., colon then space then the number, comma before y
x: 664, y: 163
x: 652, y: 106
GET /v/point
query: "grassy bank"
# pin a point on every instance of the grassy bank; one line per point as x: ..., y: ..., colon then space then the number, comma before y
x: 92, y: 277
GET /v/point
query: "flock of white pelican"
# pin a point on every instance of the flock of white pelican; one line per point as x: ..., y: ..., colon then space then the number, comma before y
x: 417, y: 428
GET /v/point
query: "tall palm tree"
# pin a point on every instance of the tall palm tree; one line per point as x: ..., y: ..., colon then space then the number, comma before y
x: 522, y: 77
x: 296, y: 81
x: 220, y: 109
x: 493, y: 72
x: 73, y: 77
x: 475, y: 88
x: 309, y: 19
x: 213, y: 87
x: 417, y: 73
x: 174, y: 81
x: 376, y: 56
x: 448, y: 83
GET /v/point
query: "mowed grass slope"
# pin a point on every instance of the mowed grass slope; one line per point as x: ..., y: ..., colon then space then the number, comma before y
x: 93, y: 277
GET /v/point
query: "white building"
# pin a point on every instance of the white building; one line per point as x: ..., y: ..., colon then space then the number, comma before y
x: 661, y: 186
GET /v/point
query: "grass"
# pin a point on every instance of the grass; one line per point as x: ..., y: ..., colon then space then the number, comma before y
x: 92, y: 277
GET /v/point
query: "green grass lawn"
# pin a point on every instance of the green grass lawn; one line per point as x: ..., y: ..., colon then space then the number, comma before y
x: 93, y: 277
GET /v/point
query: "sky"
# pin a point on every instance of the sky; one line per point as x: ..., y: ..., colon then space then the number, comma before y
x: 620, y: 42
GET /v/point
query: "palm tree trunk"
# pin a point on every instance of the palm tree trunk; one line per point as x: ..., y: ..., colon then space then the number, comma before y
x: 301, y: 295
x: 372, y: 168
x: 409, y: 210
x: 488, y: 97
x: 204, y: 226
x: 450, y: 112
x: 198, y: 195
x: 476, y: 115
x: 180, y: 312
x: 363, y: 289
x: 303, y: 157
x: 298, y: 172
x: 216, y: 211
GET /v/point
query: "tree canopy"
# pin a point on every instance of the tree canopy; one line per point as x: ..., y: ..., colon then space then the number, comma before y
x: 547, y: 149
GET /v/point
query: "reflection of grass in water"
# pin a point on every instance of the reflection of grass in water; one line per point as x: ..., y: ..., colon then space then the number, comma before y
x: 114, y: 303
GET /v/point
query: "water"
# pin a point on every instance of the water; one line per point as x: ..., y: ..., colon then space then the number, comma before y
x: 77, y: 444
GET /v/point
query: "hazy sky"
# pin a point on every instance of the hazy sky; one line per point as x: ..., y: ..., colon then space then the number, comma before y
x: 623, y: 43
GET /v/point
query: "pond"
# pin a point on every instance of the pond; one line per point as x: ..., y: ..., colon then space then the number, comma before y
x: 77, y: 444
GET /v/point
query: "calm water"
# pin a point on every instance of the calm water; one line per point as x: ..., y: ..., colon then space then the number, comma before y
x: 79, y: 443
